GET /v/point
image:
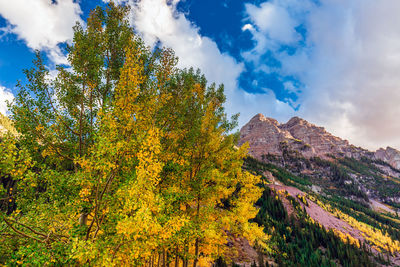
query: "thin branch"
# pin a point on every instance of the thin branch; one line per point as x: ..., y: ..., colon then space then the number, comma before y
x: 110, y: 178
x: 20, y: 232
x: 55, y: 111
x: 29, y: 228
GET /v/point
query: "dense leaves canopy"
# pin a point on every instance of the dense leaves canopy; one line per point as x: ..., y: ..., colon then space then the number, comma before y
x: 122, y: 159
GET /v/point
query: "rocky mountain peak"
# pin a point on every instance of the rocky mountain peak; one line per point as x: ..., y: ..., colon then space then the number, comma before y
x: 261, y: 117
x: 263, y: 134
x: 297, y: 121
x: 262, y: 125
x: 267, y: 136
x: 391, y: 149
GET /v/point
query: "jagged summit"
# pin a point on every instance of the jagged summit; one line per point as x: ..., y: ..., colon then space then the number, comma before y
x: 296, y: 120
x: 261, y: 117
x: 267, y: 136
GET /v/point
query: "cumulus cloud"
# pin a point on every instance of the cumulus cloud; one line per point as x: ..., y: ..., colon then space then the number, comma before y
x: 41, y: 23
x: 348, y: 63
x: 5, y: 95
x: 274, y: 21
x: 159, y: 21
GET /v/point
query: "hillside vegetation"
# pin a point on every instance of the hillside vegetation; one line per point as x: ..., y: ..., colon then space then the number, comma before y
x: 335, y: 209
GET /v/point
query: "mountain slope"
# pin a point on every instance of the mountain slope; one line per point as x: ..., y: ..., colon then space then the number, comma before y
x: 319, y: 178
x: 336, y: 226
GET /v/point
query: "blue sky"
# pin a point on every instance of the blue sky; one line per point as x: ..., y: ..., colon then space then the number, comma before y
x: 333, y: 62
x: 222, y: 21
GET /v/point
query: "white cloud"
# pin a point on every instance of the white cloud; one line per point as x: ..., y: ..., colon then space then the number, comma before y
x: 5, y: 95
x: 158, y: 20
x: 274, y: 24
x: 5, y: 30
x: 349, y: 66
x: 274, y: 21
x: 359, y: 66
x: 41, y: 24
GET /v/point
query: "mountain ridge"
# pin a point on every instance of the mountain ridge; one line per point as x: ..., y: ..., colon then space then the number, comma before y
x: 267, y: 136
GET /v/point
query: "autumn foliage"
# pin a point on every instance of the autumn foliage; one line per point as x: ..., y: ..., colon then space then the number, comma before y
x: 122, y: 159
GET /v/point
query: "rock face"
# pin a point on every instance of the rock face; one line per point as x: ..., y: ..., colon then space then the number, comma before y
x: 264, y: 136
x: 268, y: 136
x: 320, y: 140
x: 389, y: 155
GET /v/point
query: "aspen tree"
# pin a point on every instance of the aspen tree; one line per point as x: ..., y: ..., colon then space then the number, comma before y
x: 131, y: 160
x: 204, y: 171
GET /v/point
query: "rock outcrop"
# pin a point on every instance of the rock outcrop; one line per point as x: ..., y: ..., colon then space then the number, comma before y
x: 321, y: 141
x: 389, y: 155
x: 263, y: 135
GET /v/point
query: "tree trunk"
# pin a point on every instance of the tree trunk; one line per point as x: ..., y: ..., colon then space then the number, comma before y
x: 186, y: 261
x: 176, y: 257
x: 163, y: 258
x: 81, y: 119
x: 196, y: 244
x: 159, y: 260
x: 168, y: 259
x: 196, y: 252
